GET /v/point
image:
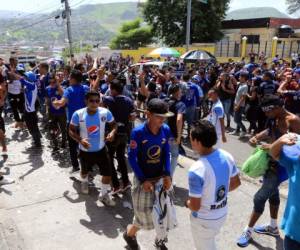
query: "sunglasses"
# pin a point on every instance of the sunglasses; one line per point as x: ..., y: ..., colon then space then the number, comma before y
x: 268, y: 108
x: 94, y: 100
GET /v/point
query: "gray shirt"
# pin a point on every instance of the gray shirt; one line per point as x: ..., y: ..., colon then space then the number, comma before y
x: 242, y: 90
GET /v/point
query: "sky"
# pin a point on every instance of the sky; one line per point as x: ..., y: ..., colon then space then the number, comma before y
x: 50, y: 5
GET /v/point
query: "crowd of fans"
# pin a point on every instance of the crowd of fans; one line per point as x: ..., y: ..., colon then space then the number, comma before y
x: 96, y: 108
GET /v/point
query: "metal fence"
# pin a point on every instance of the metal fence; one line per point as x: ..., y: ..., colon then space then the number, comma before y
x: 226, y: 48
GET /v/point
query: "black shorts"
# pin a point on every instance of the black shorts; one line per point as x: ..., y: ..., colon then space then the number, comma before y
x: 99, y: 158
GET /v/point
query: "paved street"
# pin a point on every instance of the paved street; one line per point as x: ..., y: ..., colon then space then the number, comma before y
x: 43, y: 210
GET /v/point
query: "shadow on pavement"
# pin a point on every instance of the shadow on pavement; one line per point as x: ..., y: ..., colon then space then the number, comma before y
x: 35, y: 158
x: 279, y: 244
x: 180, y: 196
x: 108, y: 221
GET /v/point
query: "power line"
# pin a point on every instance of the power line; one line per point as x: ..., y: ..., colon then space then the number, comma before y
x: 27, y: 16
x: 30, y: 25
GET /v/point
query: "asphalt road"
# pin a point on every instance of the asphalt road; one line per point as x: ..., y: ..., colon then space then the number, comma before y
x: 44, y: 210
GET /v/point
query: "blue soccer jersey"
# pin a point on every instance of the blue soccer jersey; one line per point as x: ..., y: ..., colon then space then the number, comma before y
x: 92, y: 127
x: 209, y: 179
x: 149, y: 154
x: 290, y: 159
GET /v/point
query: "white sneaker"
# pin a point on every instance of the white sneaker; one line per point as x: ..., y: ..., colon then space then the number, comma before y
x: 6, y: 181
x: 107, y: 200
x: 242, y: 134
x: 84, y: 187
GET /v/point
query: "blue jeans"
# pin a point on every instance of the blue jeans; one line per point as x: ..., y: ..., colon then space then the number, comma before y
x: 227, y: 107
x: 174, y: 149
x: 238, y: 119
x: 290, y: 244
x: 268, y: 191
x: 190, y: 115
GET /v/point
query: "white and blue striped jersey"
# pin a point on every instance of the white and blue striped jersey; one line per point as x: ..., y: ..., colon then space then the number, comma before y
x: 92, y: 127
x: 209, y: 179
x: 30, y: 94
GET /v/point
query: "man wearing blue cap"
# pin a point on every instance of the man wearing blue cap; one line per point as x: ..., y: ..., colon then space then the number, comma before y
x: 29, y: 83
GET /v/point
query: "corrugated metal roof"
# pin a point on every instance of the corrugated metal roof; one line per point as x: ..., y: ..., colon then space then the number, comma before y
x: 255, y: 12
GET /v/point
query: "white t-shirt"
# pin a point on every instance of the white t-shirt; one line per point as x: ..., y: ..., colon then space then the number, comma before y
x: 217, y: 112
x: 14, y: 87
x: 209, y: 179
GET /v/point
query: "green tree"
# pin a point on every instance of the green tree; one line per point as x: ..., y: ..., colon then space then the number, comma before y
x: 168, y: 20
x: 293, y: 5
x: 132, y: 35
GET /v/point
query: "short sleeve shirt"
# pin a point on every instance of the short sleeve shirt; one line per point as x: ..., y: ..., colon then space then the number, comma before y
x: 242, y: 90
x: 75, y: 95
x: 92, y: 127
x: 209, y: 179
x: 216, y: 113
x: 290, y: 159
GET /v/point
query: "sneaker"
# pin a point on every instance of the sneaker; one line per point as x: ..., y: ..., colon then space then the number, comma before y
x: 131, y: 242
x: 74, y: 170
x: 107, y: 200
x: 6, y: 180
x: 85, y: 187
x: 126, y: 187
x: 242, y: 134
x: 244, y: 240
x: 160, y: 244
x: 267, y: 229
x: 235, y: 133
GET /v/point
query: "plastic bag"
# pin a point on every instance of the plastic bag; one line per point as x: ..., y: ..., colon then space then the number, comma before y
x: 257, y: 164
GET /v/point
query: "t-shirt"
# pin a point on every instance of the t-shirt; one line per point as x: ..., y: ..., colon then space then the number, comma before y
x: 217, y: 112
x: 176, y: 107
x: 75, y: 95
x: 52, y: 94
x: 149, y: 154
x: 30, y: 94
x: 42, y: 84
x: 268, y: 88
x: 290, y: 159
x: 92, y: 127
x: 242, y: 90
x: 121, y: 108
x: 14, y: 87
x: 209, y: 179
x: 191, y: 95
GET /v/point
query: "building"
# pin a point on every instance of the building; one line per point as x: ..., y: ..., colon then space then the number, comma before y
x: 260, y: 26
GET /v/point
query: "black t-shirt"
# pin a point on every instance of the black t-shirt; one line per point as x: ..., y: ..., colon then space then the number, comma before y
x: 176, y: 107
x: 268, y: 88
x: 120, y: 107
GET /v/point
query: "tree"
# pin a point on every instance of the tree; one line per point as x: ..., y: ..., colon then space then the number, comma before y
x: 168, y: 20
x: 293, y: 5
x: 132, y: 35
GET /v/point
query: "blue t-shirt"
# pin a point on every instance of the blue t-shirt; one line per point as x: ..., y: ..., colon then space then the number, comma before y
x: 149, y: 154
x: 92, y: 127
x: 290, y: 159
x: 52, y: 94
x: 191, y: 95
x: 75, y: 95
x: 42, y: 84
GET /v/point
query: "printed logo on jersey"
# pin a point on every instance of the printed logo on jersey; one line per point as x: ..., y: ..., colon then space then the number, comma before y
x: 103, y: 119
x: 93, y: 130
x: 133, y: 144
x: 153, y: 154
x: 221, y: 192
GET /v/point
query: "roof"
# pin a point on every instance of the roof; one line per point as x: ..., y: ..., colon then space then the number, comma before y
x: 254, y: 13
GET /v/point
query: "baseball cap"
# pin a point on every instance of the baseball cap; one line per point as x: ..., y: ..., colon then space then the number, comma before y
x: 159, y: 107
x: 269, y: 102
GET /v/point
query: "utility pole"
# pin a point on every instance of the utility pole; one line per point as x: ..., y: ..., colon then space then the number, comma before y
x: 67, y: 15
x: 188, y: 24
